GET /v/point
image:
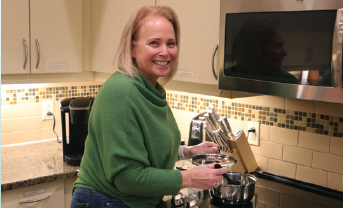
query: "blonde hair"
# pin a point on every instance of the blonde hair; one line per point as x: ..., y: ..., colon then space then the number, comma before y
x: 123, y: 58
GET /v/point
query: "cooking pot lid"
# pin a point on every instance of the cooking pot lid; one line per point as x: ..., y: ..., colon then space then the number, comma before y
x: 223, y: 160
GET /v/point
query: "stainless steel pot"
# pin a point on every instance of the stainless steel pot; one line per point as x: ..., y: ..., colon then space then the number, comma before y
x: 235, y: 194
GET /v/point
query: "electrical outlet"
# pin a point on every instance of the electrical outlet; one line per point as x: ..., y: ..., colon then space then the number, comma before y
x: 254, y: 133
x: 48, y: 106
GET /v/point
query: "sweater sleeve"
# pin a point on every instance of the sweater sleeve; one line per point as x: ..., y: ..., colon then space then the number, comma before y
x: 129, y: 153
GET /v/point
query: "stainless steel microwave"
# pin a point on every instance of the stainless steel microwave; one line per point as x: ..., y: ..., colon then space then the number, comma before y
x: 288, y: 48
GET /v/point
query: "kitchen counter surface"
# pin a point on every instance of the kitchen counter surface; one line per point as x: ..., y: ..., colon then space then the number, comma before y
x: 34, y: 163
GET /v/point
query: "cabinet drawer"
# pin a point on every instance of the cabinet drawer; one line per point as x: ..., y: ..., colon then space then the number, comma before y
x: 46, y: 195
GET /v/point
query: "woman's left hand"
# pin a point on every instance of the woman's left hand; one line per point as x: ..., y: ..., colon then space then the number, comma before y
x: 202, y: 148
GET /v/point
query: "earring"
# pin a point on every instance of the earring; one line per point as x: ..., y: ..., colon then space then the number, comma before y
x: 134, y: 62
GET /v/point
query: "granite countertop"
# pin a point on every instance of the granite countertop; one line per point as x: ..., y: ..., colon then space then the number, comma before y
x: 34, y: 163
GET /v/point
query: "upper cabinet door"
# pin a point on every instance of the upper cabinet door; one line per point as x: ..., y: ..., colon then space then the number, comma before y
x: 199, y: 20
x: 56, y: 36
x: 112, y: 17
x: 15, y: 57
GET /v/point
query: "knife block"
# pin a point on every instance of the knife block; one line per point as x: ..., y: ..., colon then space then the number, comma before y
x: 242, y: 153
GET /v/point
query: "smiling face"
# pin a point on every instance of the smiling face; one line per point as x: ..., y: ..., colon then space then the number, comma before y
x: 155, y: 49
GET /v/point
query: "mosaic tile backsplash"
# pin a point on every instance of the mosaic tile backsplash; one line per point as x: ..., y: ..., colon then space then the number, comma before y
x: 303, y: 121
x: 284, y: 118
x: 36, y: 95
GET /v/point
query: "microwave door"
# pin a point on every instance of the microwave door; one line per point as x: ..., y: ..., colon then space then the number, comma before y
x: 311, y: 66
x: 337, y: 49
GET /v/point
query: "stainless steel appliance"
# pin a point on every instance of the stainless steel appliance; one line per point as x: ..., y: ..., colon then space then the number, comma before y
x: 74, y: 116
x: 272, y: 191
x: 306, y: 38
x: 197, y: 133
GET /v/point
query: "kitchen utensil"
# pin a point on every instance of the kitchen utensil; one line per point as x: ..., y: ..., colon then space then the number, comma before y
x: 225, y: 139
x: 209, y: 122
x: 220, y: 141
x: 227, y: 124
x: 223, y: 160
x: 235, y: 194
x: 223, y: 127
x: 227, y: 177
x: 234, y: 144
x: 214, y: 112
x: 209, y: 134
x: 213, y: 119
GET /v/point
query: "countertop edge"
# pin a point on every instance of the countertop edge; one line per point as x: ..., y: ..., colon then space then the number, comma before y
x: 38, y: 180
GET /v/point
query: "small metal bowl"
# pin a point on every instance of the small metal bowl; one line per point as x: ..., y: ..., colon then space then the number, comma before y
x: 224, y: 160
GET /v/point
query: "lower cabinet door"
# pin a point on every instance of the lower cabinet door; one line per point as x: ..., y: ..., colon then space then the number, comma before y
x: 46, y: 195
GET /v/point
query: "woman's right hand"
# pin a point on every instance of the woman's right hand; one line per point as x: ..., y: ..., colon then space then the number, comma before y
x: 202, y: 177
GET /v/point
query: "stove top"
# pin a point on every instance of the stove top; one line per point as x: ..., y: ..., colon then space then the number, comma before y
x: 270, y: 191
x: 202, y: 199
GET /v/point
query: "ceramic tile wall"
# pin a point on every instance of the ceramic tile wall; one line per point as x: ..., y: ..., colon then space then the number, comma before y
x: 298, y: 139
x: 319, y: 123
x: 26, y: 95
x: 21, y: 109
x: 292, y: 142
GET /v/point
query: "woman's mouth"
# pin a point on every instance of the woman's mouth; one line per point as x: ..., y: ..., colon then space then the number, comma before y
x: 162, y: 63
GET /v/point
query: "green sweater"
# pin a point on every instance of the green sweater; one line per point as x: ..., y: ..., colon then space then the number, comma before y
x: 132, y: 143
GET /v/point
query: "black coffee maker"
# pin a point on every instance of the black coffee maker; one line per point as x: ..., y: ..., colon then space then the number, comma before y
x: 78, y: 109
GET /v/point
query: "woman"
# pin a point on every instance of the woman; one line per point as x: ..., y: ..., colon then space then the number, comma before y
x: 133, y: 139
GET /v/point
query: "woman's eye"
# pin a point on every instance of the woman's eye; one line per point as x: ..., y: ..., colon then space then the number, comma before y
x: 172, y: 44
x: 153, y: 43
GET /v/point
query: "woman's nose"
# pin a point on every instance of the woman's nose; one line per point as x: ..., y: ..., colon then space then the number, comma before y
x: 163, y: 50
x: 284, y: 53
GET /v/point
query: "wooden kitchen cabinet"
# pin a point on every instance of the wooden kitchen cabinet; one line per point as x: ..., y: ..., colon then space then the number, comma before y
x: 48, y: 195
x: 60, y: 193
x: 68, y: 188
x: 199, y: 20
x: 108, y: 20
x: 57, y: 27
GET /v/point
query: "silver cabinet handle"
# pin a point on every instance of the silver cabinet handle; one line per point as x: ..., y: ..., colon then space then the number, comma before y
x: 214, y: 54
x: 25, y: 46
x: 38, y: 58
x: 34, y: 200
x: 307, y: 54
x: 311, y: 54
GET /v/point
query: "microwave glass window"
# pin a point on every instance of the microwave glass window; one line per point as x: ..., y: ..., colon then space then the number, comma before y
x: 287, y: 47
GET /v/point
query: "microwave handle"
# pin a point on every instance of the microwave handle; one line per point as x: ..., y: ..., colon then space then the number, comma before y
x: 214, y: 54
x: 337, y: 50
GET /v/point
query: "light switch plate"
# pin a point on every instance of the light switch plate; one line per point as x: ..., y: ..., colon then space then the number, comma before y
x: 254, y: 136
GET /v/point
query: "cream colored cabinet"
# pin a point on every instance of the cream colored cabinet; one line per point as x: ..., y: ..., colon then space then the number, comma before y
x: 46, y: 195
x: 108, y: 20
x: 41, y: 36
x: 199, y: 20
x: 68, y: 188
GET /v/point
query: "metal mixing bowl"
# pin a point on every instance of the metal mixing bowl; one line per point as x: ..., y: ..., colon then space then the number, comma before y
x: 235, y: 194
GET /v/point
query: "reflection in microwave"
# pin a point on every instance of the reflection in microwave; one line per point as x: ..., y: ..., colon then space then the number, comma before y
x: 258, y: 52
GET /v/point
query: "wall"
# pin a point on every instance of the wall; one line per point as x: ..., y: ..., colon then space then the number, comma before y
x: 299, y: 139
x: 21, y: 109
